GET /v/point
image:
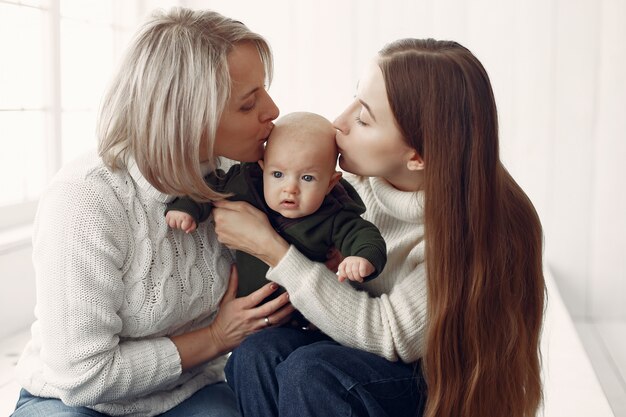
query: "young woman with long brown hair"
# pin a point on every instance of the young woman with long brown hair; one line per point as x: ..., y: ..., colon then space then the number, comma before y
x: 460, y: 303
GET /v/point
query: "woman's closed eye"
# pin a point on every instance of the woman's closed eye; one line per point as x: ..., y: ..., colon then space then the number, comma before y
x: 248, y: 107
x: 359, y: 121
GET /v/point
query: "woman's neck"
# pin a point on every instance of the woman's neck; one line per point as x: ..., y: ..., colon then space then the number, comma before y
x: 407, y: 181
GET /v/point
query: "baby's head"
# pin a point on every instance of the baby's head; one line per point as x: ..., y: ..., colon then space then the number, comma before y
x: 299, y: 164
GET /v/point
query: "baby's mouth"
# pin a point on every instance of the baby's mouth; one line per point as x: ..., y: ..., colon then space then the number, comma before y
x: 288, y: 203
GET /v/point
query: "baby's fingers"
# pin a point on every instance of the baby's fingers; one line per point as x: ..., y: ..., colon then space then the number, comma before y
x: 341, y: 272
x: 170, y: 220
x: 353, y: 272
x: 188, y: 225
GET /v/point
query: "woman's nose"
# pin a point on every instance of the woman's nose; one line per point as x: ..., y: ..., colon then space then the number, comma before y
x: 337, y: 124
x: 270, y: 110
x: 341, y: 122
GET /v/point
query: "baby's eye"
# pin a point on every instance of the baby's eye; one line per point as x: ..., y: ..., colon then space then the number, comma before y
x: 308, y: 178
x: 277, y: 174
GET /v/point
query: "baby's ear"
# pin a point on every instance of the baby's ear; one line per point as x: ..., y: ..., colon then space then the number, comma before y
x: 333, y: 181
x: 261, y: 164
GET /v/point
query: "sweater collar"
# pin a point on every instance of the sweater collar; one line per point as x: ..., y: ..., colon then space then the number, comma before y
x: 407, y: 206
x: 144, y: 185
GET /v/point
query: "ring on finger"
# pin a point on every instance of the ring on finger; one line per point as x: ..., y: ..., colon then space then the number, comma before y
x: 267, y: 321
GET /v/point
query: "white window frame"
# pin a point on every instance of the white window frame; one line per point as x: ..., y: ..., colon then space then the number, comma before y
x: 17, y: 215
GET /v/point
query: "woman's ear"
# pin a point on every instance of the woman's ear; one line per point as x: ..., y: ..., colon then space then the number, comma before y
x: 415, y: 162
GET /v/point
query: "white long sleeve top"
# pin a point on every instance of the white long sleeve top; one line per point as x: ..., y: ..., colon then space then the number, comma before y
x: 113, y: 282
x: 388, y: 317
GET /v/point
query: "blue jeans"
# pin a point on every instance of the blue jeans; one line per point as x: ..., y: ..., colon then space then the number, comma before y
x: 287, y: 372
x: 216, y: 400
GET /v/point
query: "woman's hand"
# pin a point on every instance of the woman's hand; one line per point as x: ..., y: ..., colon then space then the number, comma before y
x: 241, y: 226
x: 240, y: 317
x: 236, y: 319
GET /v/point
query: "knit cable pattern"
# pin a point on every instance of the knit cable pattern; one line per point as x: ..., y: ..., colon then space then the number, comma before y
x: 113, y: 282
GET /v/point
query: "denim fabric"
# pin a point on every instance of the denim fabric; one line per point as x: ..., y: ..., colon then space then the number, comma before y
x: 216, y: 400
x: 290, y: 372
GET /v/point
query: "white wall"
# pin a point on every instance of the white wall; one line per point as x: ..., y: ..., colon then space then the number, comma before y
x: 17, y: 299
x: 608, y: 193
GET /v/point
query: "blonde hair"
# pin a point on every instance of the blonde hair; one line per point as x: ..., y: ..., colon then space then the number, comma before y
x: 168, y: 97
x: 486, y: 288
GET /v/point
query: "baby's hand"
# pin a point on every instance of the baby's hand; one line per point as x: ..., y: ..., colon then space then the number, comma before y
x: 354, y: 268
x: 180, y: 220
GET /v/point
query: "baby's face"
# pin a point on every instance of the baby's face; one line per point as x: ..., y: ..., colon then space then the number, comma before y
x: 297, y: 176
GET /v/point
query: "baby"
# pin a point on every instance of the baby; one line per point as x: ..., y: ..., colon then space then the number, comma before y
x: 304, y: 197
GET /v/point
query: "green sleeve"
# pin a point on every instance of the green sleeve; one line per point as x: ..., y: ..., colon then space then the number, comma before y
x: 220, y: 181
x: 199, y: 211
x: 355, y: 236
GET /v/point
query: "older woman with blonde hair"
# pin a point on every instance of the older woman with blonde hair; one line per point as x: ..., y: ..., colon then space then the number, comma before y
x: 133, y: 318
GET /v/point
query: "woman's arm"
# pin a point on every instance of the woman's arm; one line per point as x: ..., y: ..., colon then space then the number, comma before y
x: 391, y: 325
x: 80, y: 246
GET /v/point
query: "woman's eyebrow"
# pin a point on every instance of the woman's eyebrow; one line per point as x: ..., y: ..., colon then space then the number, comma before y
x: 367, y: 107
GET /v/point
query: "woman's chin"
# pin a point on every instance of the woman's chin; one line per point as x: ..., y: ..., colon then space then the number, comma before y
x: 347, y: 167
x: 251, y: 157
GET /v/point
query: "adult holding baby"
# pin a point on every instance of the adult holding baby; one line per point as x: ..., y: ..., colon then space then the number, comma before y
x: 458, y: 307
x: 297, y: 186
x: 133, y: 318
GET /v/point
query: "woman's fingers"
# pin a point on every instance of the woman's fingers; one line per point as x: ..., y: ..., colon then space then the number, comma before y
x: 280, y: 317
x: 267, y: 315
x: 234, y: 205
x: 271, y: 313
x: 233, y: 222
x: 255, y: 298
x: 272, y: 306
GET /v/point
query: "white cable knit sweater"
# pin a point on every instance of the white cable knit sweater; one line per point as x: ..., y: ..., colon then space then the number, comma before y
x: 389, y: 318
x: 113, y: 281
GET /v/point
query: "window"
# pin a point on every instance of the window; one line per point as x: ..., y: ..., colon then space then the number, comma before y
x: 23, y: 108
x: 58, y: 57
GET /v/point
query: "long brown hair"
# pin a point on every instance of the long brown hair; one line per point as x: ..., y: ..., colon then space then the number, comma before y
x: 483, y: 236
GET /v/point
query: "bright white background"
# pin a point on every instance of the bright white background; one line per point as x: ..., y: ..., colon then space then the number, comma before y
x: 557, y: 67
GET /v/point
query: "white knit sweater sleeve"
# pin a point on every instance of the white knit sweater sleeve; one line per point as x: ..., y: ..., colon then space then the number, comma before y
x: 80, y: 248
x: 390, y: 325
x: 387, y: 315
